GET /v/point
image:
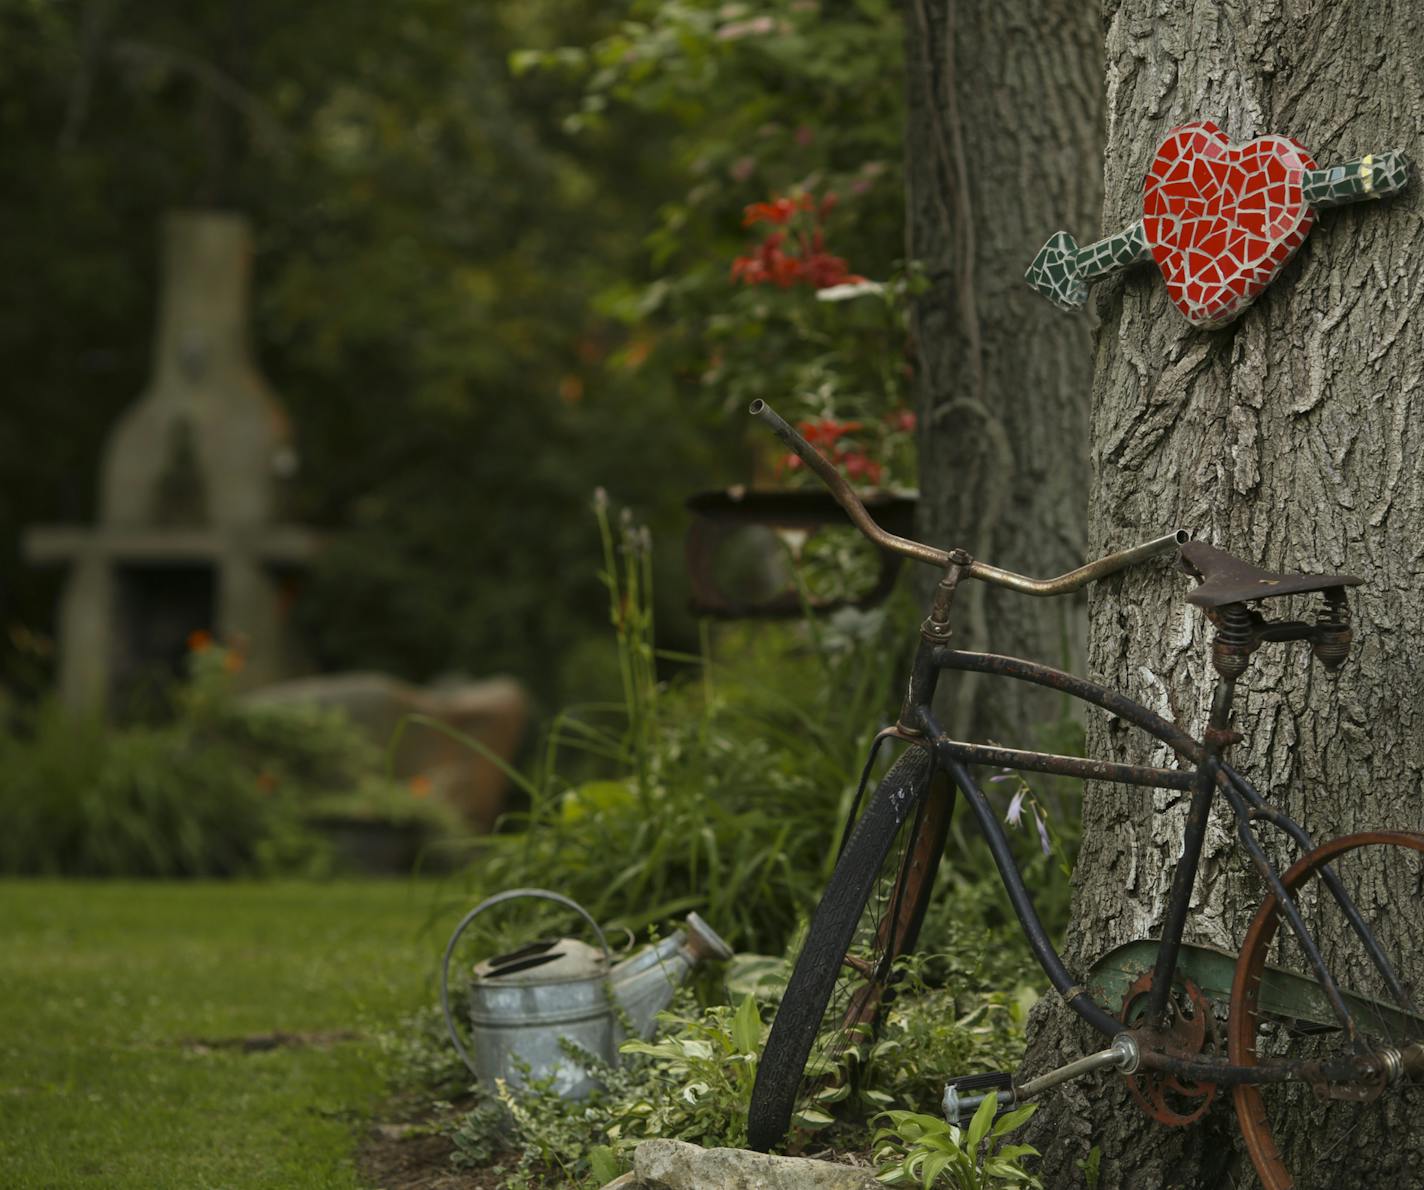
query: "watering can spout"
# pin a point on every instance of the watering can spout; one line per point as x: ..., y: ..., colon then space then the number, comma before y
x: 645, y: 984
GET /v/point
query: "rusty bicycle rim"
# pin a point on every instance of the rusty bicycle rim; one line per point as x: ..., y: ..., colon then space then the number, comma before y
x: 1245, y: 1019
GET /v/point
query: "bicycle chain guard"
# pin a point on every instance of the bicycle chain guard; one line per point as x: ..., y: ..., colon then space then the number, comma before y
x: 1164, y: 1097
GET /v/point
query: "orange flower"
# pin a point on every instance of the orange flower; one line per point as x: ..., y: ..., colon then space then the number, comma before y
x: 200, y: 640
x: 420, y: 786
x: 233, y: 661
x: 778, y: 211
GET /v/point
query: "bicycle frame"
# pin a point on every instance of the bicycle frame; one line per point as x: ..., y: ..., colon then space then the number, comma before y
x: 1207, y: 775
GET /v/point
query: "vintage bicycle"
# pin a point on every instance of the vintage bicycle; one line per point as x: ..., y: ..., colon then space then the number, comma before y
x: 1321, y: 1011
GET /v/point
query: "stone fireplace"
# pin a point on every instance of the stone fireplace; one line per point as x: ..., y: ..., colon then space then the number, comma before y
x: 190, y: 534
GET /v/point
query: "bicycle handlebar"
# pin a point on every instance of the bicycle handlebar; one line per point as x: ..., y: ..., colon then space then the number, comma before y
x: 845, y: 496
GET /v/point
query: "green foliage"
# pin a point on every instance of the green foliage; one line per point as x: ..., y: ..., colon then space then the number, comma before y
x: 693, y: 1083
x: 1091, y: 1167
x: 429, y: 243
x: 719, y: 791
x: 224, y: 788
x: 927, y: 1151
x: 787, y: 99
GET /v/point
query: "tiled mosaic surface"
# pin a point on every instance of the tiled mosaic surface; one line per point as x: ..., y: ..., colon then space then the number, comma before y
x: 1374, y: 175
x: 1221, y: 220
x: 1061, y: 270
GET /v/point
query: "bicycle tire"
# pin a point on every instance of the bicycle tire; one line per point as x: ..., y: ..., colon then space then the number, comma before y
x: 894, y: 828
x: 1297, y: 1139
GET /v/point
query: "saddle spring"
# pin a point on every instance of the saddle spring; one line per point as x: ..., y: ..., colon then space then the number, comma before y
x: 1333, y: 634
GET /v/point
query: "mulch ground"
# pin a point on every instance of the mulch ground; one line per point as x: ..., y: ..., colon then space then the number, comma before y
x: 409, y: 1150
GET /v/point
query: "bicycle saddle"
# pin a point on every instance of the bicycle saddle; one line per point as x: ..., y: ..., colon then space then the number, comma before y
x: 1225, y: 579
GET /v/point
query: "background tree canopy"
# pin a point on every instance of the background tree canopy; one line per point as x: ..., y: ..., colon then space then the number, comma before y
x: 478, y: 296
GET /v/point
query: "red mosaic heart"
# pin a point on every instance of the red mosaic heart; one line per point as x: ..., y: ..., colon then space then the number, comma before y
x: 1220, y: 219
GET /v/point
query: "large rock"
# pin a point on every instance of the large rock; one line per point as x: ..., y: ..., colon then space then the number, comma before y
x: 676, y: 1165
x: 493, y: 712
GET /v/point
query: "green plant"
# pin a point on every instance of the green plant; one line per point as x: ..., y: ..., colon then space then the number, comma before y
x: 784, y: 125
x: 927, y: 1151
x: 1091, y: 1167
x: 225, y: 787
x: 701, y: 1072
x: 691, y: 1084
x: 720, y: 789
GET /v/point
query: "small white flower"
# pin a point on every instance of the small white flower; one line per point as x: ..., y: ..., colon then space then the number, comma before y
x: 1015, y: 808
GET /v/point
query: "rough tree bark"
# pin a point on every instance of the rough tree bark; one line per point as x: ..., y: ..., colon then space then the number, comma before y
x: 1292, y: 438
x: 1003, y: 140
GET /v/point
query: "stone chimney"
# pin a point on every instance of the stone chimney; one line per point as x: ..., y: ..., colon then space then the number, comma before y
x: 190, y: 533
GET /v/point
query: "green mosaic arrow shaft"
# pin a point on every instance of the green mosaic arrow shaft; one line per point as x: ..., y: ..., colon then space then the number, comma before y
x: 1061, y: 270
x: 1374, y: 175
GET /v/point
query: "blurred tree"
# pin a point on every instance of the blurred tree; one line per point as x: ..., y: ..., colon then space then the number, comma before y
x: 431, y: 238
x: 1004, y: 133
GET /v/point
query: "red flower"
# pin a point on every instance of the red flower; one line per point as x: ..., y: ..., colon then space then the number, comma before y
x: 861, y: 466
x: 827, y: 430
x: 779, y: 211
x: 807, y: 261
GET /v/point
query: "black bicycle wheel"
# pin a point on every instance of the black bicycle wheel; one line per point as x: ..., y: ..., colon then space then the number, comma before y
x: 869, y: 915
x: 1334, y: 1136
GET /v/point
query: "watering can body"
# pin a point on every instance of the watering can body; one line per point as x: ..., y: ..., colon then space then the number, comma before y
x: 541, y: 1012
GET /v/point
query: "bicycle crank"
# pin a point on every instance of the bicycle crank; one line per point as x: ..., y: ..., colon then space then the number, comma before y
x: 963, y: 1096
x: 1164, y: 1097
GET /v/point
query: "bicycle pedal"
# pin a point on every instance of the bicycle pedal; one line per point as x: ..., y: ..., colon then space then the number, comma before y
x: 963, y: 1095
x: 1000, y: 1080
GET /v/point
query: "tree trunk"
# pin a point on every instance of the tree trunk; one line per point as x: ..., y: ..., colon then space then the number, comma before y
x: 1291, y: 438
x: 1003, y: 140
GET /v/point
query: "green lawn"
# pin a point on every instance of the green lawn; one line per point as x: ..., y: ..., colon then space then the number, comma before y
x: 108, y: 990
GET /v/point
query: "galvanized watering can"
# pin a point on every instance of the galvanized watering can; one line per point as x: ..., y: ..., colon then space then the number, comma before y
x: 526, y: 1004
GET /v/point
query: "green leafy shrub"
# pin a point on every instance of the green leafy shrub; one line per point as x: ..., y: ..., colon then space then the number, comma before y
x: 693, y: 1083
x: 223, y: 788
x: 721, y: 790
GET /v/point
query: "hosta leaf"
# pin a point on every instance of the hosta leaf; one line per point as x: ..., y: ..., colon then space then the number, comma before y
x: 812, y: 1117
x: 1011, y: 1120
x: 936, y: 1164
x: 980, y: 1124
x: 746, y: 1027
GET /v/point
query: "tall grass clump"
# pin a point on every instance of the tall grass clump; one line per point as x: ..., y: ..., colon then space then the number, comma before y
x: 721, y: 790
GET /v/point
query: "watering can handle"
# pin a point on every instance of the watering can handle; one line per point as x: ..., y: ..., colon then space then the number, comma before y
x: 489, y: 903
